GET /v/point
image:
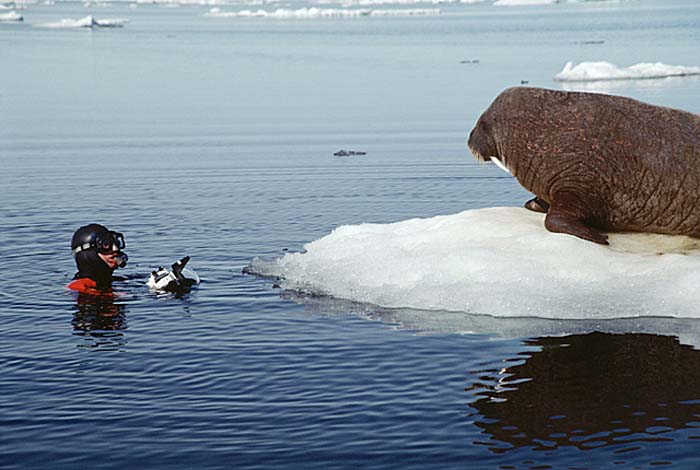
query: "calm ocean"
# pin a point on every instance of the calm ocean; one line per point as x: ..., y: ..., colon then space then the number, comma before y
x: 214, y: 137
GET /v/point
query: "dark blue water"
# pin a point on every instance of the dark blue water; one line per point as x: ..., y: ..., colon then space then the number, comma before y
x: 215, y: 140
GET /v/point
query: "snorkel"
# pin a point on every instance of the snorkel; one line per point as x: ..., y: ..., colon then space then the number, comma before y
x: 121, y: 259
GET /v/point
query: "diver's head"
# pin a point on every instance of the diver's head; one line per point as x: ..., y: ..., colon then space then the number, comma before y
x: 97, y: 251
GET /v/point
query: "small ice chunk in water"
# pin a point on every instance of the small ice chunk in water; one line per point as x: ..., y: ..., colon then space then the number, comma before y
x: 308, y: 13
x: 11, y: 16
x: 513, y: 3
x: 593, y: 71
x: 86, y: 22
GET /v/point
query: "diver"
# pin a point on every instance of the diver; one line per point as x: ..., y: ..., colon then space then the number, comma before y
x: 97, y: 252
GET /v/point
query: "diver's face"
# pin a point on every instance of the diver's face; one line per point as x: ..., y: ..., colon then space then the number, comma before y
x: 110, y: 259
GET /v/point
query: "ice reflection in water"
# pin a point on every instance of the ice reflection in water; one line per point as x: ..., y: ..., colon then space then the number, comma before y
x: 591, y: 391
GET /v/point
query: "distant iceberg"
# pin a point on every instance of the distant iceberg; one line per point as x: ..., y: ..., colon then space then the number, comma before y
x: 497, y: 261
x: 87, y: 22
x: 195, y: 2
x: 511, y: 3
x: 366, y: 3
x: 597, y: 71
x: 10, y: 16
x: 90, y: 4
x: 625, y: 86
x: 319, y: 13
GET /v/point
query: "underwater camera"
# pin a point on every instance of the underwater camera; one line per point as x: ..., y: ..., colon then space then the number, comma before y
x: 178, y: 280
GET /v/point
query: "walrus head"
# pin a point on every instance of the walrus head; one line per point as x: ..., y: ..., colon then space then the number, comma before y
x: 481, y: 141
x: 489, y: 129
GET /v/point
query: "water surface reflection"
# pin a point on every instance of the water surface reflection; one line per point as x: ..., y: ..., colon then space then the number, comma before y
x: 100, y: 321
x: 591, y: 391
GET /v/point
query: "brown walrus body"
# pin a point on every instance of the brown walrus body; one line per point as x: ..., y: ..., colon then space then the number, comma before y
x: 597, y: 162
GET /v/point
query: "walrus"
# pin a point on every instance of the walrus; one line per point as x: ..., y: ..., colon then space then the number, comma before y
x: 596, y: 163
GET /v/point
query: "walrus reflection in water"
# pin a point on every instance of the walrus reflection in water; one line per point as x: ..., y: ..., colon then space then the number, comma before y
x: 596, y: 162
x: 596, y: 389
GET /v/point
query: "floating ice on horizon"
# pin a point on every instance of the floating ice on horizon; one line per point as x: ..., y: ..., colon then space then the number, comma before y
x: 511, y: 3
x: 615, y: 86
x: 597, y: 71
x: 318, y: 13
x: 366, y: 3
x: 192, y: 2
x: 87, y: 22
x: 10, y: 16
x: 90, y: 4
x: 498, y: 261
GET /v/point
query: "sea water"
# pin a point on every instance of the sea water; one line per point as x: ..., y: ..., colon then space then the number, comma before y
x: 213, y: 136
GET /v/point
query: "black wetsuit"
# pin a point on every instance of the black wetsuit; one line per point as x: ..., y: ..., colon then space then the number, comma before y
x: 90, y: 265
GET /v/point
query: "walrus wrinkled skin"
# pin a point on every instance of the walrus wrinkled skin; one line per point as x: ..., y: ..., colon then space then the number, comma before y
x: 596, y: 163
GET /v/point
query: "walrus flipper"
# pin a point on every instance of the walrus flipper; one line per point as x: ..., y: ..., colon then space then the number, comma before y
x: 562, y: 222
x: 537, y: 205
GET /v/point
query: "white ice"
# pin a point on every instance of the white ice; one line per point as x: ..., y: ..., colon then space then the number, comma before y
x: 595, y: 71
x: 10, y: 16
x: 87, y: 22
x: 510, y: 3
x: 546, y: 2
x: 365, y: 3
x: 91, y: 4
x: 195, y: 2
x: 498, y: 261
x: 318, y: 13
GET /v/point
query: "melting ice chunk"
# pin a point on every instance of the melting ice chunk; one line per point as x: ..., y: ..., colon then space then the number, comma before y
x: 510, y: 3
x: 10, y: 16
x: 306, y: 13
x: 497, y: 261
x: 593, y: 71
x: 87, y: 22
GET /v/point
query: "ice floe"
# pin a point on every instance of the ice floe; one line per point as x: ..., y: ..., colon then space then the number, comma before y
x: 10, y: 16
x: 595, y: 71
x: 548, y: 2
x: 193, y: 2
x: 87, y: 22
x: 625, y: 86
x: 367, y: 3
x: 510, y: 3
x: 498, y: 261
x: 91, y: 4
x: 319, y: 13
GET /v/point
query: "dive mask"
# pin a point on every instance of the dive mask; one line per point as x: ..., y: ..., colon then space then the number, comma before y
x: 115, y: 242
x: 109, y: 243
